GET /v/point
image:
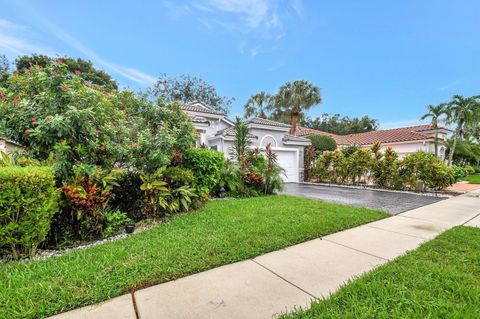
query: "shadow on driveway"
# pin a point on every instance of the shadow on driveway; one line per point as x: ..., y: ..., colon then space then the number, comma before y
x: 392, y: 202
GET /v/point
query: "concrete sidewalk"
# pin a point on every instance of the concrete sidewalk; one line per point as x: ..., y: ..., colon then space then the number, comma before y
x: 279, y: 281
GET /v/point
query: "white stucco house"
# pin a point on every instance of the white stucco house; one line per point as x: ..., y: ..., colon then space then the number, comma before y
x: 403, y: 140
x: 216, y: 132
x: 8, y: 146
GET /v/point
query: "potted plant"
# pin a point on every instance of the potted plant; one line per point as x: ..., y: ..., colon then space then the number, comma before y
x: 129, y: 228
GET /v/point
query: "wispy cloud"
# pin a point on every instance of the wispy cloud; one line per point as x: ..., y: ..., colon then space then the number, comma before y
x: 449, y: 86
x: 127, y: 72
x: 260, y: 20
x: 14, y: 39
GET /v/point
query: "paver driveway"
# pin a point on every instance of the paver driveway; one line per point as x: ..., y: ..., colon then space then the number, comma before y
x: 392, y: 202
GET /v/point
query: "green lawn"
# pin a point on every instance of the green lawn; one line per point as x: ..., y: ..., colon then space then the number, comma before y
x: 474, y: 179
x: 222, y: 233
x: 441, y: 279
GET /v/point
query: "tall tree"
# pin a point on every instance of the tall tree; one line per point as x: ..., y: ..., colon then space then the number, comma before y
x: 258, y: 105
x: 461, y: 111
x: 294, y: 98
x: 4, y: 68
x: 83, y: 67
x: 435, y: 112
x: 335, y: 124
x: 188, y: 88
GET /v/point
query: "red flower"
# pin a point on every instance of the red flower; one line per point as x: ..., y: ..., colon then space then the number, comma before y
x: 34, y: 119
x: 27, y: 132
x: 3, y: 96
x: 74, y: 195
x: 61, y: 140
x: 102, y: 148
x: 158, y: 126
x: 77, y: 72
x: 65, y: 88
x: 58, y: 61
x: 16, y: 101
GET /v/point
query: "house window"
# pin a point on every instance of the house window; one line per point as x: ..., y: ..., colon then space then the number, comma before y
x: 214, y: 147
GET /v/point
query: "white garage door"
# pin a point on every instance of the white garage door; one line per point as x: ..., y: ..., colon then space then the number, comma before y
x: 288, y: 160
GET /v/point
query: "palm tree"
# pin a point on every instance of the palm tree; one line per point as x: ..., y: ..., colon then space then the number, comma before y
x: 461, y: 111
x: 294, y: 98
x: 435, y: 112
x: 257, y: 105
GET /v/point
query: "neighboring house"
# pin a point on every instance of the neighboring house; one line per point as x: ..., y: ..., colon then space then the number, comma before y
x: 403, y: 140
x: 8, y: 146
x: 217, y: 132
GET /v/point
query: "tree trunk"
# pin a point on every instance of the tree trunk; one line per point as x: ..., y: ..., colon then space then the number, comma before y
x: 455, y: 140
x: 295, y: 115
x: 436, y: 142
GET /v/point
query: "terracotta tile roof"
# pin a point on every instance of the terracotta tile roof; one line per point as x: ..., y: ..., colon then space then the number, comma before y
x: 402, y: 134
x: 257, y: 120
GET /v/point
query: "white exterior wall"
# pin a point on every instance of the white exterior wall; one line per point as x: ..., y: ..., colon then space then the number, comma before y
x: 8, y: 147
x: 405, y: 148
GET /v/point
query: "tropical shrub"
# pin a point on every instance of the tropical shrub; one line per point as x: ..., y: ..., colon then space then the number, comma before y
x: 177, y: 176
x: 385, y: 168
x: 415, y: 171
x: 309, y: 162
x: 160, y: 135
x: 159, y: 199
x: 359, y: 164
x: 425, y: 168
x: 114, y: 221
x: 322, y: 143
x: 127, y: 196
x: 349, y: 150
x: 469, y: 170
x: 340, y: 167
x: 458, y: 172
x: 205, y: 165
x: 254, y: 181
x: 28, y: 201
x: 230, y: 177
x: 85, y: 199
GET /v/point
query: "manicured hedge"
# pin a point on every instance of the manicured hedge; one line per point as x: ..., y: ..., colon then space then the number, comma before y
x: 28, y: 201
x: 205, y: 165
x: 323, y: 143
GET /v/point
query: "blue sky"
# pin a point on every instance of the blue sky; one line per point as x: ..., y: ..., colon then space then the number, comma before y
x: 387, y: 59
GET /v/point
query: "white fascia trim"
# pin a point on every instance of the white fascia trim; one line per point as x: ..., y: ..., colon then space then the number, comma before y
x: 226, y: 120
x: 297, y: 143
x: 404, y: 142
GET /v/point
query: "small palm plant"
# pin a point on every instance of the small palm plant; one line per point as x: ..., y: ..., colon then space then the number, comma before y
x: 273, y: 172
x: 435, y: 112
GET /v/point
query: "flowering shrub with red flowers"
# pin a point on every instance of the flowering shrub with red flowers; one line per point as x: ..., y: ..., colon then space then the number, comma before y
x: 51, y: 109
